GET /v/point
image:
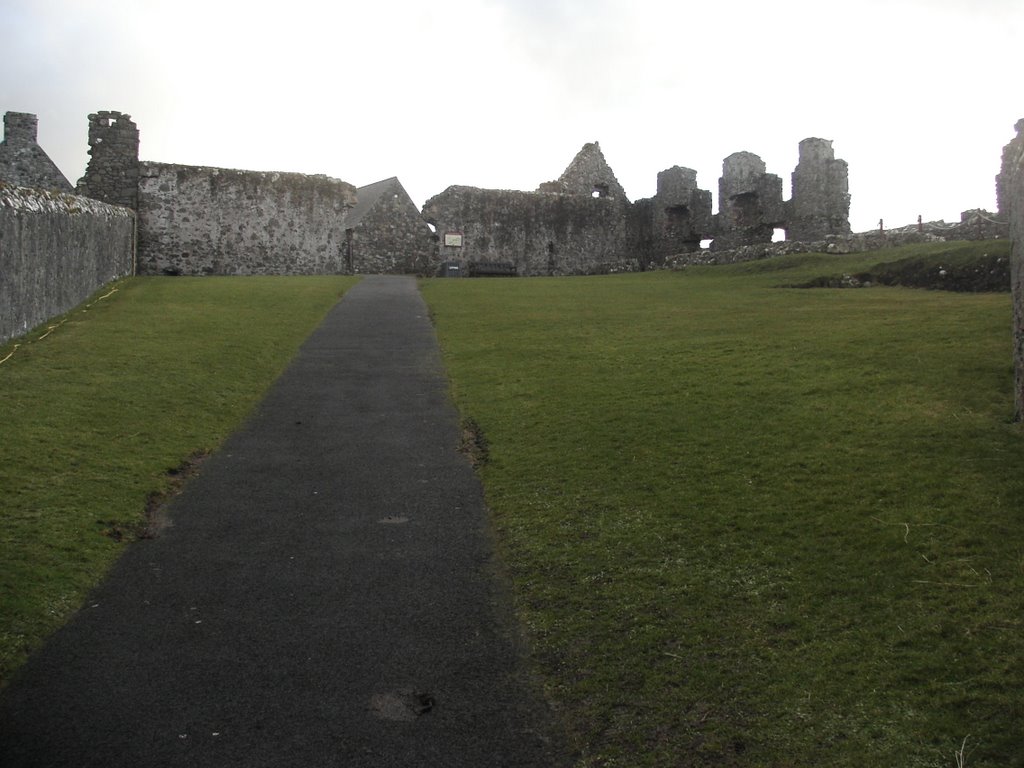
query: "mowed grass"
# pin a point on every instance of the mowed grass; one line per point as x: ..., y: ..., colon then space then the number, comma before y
x: 95, y: 414
x: 755, y: 526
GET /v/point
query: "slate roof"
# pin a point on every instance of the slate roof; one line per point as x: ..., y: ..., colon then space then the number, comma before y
x: 367, y: 197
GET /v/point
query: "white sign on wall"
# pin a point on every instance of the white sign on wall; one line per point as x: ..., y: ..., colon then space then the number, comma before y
x: 453, y: 239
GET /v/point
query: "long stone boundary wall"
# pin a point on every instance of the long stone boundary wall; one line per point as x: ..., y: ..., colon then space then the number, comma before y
x: 195, y: 220
x: 57, y: 249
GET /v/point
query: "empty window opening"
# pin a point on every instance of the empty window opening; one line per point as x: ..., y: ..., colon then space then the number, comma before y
x: 677, y: 219
x: 778, y: 235
x: 745, y: 209
x: 600, y: 190
x: 705, y: 244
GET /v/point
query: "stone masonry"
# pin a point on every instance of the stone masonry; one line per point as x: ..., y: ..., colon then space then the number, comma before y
x: 216, y: 221
x: 113, y: 171
x: 750, y: 204
x: 23, y: 162
x: 821, y: 197
x: 385, y: 233
x: 1011, y: 201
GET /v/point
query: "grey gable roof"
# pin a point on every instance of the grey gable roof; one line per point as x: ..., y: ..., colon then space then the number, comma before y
x: 367, y: 197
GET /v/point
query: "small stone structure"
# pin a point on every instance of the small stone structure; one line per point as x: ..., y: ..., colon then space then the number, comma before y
x: 384, y: 232
x: 1010, y: 186
x: 23, y: 162
x: 56, y: 249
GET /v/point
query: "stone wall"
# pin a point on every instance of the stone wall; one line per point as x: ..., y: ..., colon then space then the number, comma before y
x: 540, y: 233
x: 55, y: 251
x: 215, y: 221
x: 385, y: 233
x: 1012, y: 199
x: 23, y: 162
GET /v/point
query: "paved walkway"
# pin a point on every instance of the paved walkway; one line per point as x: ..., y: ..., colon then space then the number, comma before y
x: 325, y: 593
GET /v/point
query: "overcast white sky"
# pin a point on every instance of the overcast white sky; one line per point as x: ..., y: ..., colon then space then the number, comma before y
x: 918, y: 96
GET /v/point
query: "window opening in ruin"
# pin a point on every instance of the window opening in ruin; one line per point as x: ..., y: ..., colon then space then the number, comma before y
x: 705, y: 244
x: 677, y: 218
x: 778, y: 235
x: 745, y: 209
x: 600, y: 190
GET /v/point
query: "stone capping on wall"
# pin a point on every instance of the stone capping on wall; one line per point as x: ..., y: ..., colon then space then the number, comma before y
x: 56, y: 249
x: 43, y: 201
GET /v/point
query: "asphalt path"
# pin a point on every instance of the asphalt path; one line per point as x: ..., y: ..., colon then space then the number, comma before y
x: 324, y: 592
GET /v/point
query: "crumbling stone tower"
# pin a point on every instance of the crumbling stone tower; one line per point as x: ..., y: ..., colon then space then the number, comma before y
x: 750, y: 203
x: 22, y: 161
x: 820, y: 205
x: 681, y: 212
x: 113, y: 171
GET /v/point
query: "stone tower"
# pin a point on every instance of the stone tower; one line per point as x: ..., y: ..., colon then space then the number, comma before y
x: 681, y: 212
x: 820, y: 205
x: 113, y: 171
x: 750, y: 203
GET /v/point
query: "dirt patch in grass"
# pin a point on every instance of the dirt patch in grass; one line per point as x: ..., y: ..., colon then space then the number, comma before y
x: 473, y: 443
x: 176, y: 477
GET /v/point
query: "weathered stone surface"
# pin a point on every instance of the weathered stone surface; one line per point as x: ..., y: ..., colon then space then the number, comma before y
x: 112, y: 174
x: 821, y: 194
x: 1004, y: 180
x: 23, y: 162
x: 681, y: 213
x: 750, y: 205
x: 540, y: 233
x: 217, y: 221
x: 1013, y: 200
x: 55, y: 250
x: 384, y: 233
x: 587, y: 174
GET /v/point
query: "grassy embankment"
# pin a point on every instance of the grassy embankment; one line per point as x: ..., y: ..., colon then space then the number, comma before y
x: 751, y: 525
x: 98, y: 412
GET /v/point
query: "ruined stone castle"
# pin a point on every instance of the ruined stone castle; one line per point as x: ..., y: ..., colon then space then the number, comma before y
x: 195, y: 220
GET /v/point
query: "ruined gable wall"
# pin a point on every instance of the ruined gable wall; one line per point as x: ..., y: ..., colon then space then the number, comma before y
x: 541, y: 234
x: 23, y: 162
x: 393, y: 238
x: 196, y: 220
x: 55, y: 250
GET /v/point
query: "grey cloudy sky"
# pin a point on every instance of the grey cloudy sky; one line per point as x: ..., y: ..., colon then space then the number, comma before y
x: 916, y: 94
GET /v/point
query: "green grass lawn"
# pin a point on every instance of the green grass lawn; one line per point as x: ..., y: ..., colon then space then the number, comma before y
x: 751, y: 525
x: 98, y: 411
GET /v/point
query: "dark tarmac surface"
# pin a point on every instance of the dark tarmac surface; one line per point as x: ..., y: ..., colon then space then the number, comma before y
x: 324, y: 593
